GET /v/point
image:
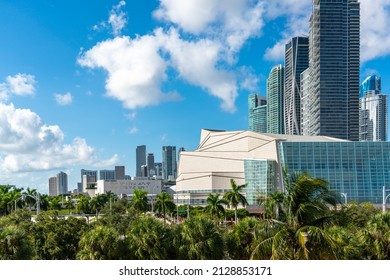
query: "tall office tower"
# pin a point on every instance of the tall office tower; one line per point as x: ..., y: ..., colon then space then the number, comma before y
x: 169, y: 162
x: 275, y: 119
x: 296, y: 61
x: 158, y: 168
x: 373, y: 111
x: 119, y: 172
x: 53, y: 186
x: 140, y: 159
x: 257, y: 113
x: 305, y: 102
x: 150, y: 164
x: 334, y: 61
x: 62, y: 183
x: 107, y: 175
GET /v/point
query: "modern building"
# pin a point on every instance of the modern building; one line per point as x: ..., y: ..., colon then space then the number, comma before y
x: 62, y: 183
x: 373, y: 111
x: 306, y: 108
x: 140, y: 155
x: 53, y: 191
x: 169, y: 164
x: 150, y: 164
x: 91, y: 175
x: 257, y: 106
x: 296, y: 61
x: 107, y: 174
x: 120, y: 172
x: 357, y: 169
x: 275, y: 100
x: 158, y: 168
x: 334, y: 63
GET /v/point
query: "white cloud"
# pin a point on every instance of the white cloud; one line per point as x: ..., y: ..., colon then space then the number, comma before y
x: 131, y: 116
x: 20, y: 84
x: 197, y: 62
x: 234, y: 22
x: 133, y: 130
x: 63, y: 99
x: 117, y: 18
x: 28, y: 144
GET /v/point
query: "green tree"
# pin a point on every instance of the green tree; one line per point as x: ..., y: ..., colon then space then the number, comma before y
x: 164, y: 204
x: 69, y: 204
x: 139, y: 200
x: 83, y: 205
x: 375, y: 237
x: 14, y: 244
x: 30, y: 195
x: 150, y: 239
x: 234, y: 197
x: 201, y: 240
x: 102, y: 243
x: 98, y: 202
x: 300, y: 233
x: 215, y: 206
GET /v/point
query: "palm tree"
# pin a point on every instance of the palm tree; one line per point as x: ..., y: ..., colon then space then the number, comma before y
x: 300, y: 233
x: 140, y: 200
x: 111, y: 197
x: 234, y: 197
x: 201, y: 240
x: 215, y: 206
x: 164, y: 203
x: 272, y: 204
x: 30, y: 194
x: 98, y: 202
x: 69, y: 203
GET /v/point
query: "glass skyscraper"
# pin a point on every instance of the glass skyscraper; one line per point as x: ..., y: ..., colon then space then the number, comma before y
x: 296, y: 61
x: 275, y: 82
x: 373, y: 111
x: 257, y: 113
x: 334, y: 63
x: 140, y: 158
x: 169, y: 163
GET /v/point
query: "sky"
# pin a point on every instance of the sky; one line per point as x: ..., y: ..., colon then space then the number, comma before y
x: 83, y: 83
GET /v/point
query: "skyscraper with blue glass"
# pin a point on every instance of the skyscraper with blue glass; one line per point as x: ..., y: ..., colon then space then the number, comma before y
x: 257, y: 106
x: 373, y: 111
x: 275, y: 100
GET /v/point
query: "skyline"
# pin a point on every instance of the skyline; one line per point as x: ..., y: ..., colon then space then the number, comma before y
x: 83, y: 89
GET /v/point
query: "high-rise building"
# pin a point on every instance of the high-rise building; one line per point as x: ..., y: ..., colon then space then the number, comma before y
x: 305, y: 103
x: 150, y: 164
x: 373, y: 111
x: 140, y: 159
x: 169, y: 162
x: 119, y: 172
x: 334, y: 63
x: 62, y: 183
x: 107, y: 174
x: 158, y: 168
x: 275, y: 99
x: 91, y: 175
x: 257, y: 113
x: 296, y: 61
x: 53, y: 191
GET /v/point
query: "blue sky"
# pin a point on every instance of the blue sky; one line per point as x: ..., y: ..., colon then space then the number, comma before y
x: 82, y: 83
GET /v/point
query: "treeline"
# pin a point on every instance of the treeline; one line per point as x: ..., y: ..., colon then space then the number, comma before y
x: 307, y: 221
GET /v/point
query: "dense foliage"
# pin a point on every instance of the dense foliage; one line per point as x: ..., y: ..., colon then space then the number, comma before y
x: 306, y: 222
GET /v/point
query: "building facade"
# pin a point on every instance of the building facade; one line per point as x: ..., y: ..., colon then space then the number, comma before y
x: 169, y: 164
x: 150, y: 164
x: 107, y: 174
x: 140, y: 155
x: 62, y: 183
x: 373, y: 114
x: 296, y: 61
x: 275, y: 100
x: 120, y: 172
x: 357, y: 169
x: 334, y: 63
x: 53, y: 191
x: 257, y: 114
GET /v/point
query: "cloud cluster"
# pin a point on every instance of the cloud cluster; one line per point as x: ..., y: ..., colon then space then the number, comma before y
x: 63, y: 99
x: 117, y: 18
x: 20, y: 84
x: 200, y: 45
x: 28, y: 144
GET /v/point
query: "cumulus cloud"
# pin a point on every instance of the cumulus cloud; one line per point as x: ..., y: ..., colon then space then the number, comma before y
x: 135, y: 69
x: 20, y: 84
x: 233, y: 22
x: 28, y: 144
x: 63, y: 99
